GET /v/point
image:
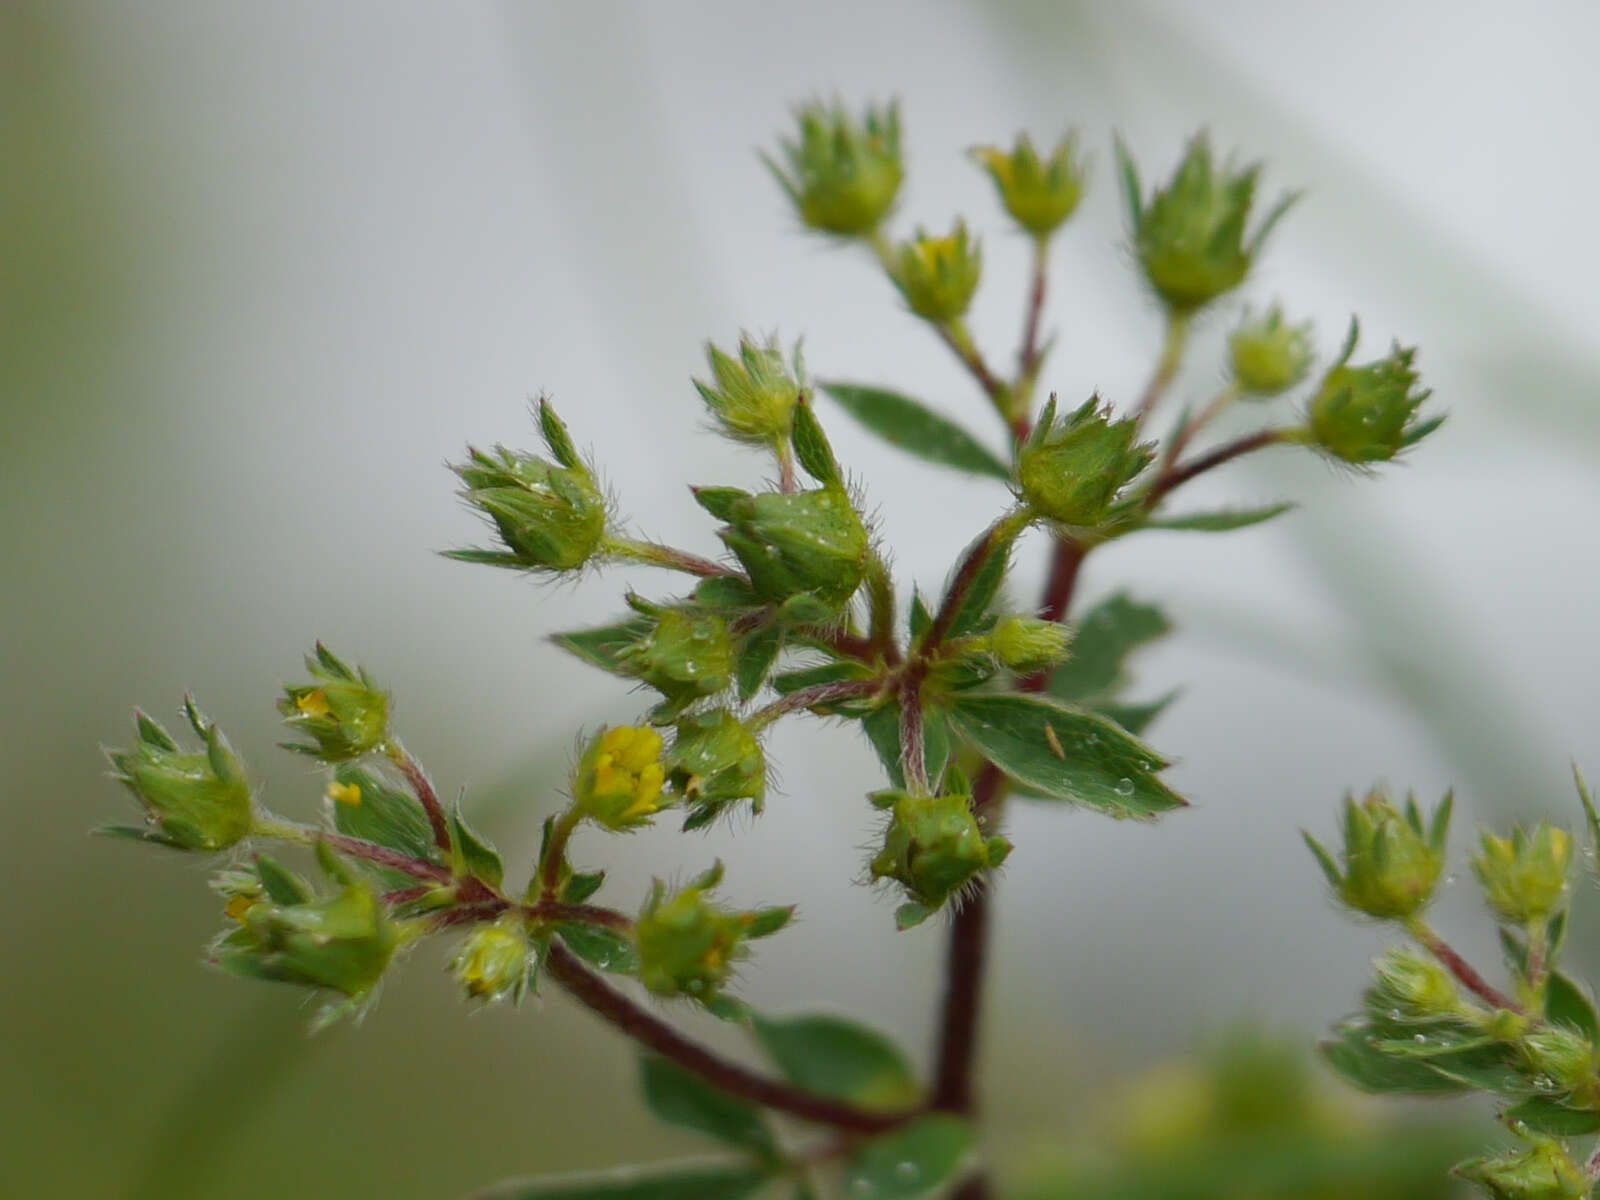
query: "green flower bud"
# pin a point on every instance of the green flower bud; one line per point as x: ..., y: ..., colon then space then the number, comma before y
x: 1524, y: 877
x: 550, y: 516
x: 197, y: 801
x: 716, y: 762
x: 1190, y: 236
x: 1542, y: 1172
x: 1071, y: 471
x: 1027, y: 644
x: 1038, y: 195
x: 688, y: 945
x: 342, y: 711
x: 493, y: 962
x: 1562, y: 1058
x: 1268, y: 356
x: 1415, y: 985
x: 619, y: 777
x: 937, y: 275
x: 687, y: 656
x: 933, y: 846
x: 1367, y: 414
x: 1391, y: 863
x: 842, y: 175
x: 342, y: 943
x: 799, y: 543
x: 752, y: 396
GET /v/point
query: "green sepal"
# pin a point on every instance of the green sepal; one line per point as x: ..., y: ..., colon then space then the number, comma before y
x: 838, y: 1057
x: 383, y: 815
x: 911, y: 914
x: 719, y: 501
x: 581, y: 885
x: 603, y: 646
x: 280, y: 884
x: 471, y: 854
x: 911, y: 1162
x: 1222, y: 520
x: 756, y: 654
x: 1545, y: 1114
x: 678, y: 1098
x: 1066, y: 753
x: 917, y: 429
x: 811, y: 445
x: 600, y: 947
x: 726, y: 592
x: 918, y: 618
x: 135, y: 833
x: 554, y: 430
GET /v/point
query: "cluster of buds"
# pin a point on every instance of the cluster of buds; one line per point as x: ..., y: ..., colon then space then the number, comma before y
x: 1190, y: 236
x: 1391, y: 862
x: 1368, y: 413
x: 1524, y: 877
x: 342, y: 711
x: 933, y: 847
x: 938, y: 275
x: 1071, y: 470
x: 810, y: 543
x: 686, y: 655
x: 288, y: 934
x: 842, y: 175
x: 550, y: 516
x: 716, y: 762
x: 753, y: 396
x: 1039, y: 194
x: 194, y: 801
x: 1268, y: 356
x: 618, y: 780
x: 689, y: 946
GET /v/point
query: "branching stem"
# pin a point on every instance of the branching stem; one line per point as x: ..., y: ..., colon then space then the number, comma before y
x: 382, y: 856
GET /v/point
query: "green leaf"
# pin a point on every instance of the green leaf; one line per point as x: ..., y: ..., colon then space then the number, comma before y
x: 1544, y: 1114
x: 719, y: 501
x: 1065, y: 753
x: 581, y: 885
x: 811, y: 445
x: 690, y: 1181
x: 1567, y: 1002
x: 911, y: 914
x: 726, y: 591
x: 833, y: 672
x: 473, y: 855
x: 975, y: 605
x: 756, y: 655
x: 913, y: 427
x: 383, y: 815
x: 282, y: 885
x: 882, y: 727
x: 685, y: 1100
x: 1359, y: 1062
x: 913, y: 1161
x: 1135, y: 718
x: 838, y: 1057
x: 1221, y: 521
x: 1107, y: 634
x: 601, y: 646
x: 599, y: 947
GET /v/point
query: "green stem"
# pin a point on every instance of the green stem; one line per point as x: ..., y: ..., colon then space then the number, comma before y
x: 822, y: 693
x: 423, y: 788
x: 555, y: 852
x: 1458, y: 966
x: 669, y: 557
x: 1028, y: 357
x: 1177, y: 338
x: 880, y: 608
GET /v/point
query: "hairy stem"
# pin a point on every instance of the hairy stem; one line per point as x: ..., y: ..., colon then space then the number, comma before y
x: 657, y: 555
x: 555, y: 852
x: 382, y: 856
x: 822, y: 693
x: 1180, y: 473
x: 1028, y: 355
x: 1167, y: 366
x: 422, y: 787
x: 649, y: 1030
x: 1458, y: 966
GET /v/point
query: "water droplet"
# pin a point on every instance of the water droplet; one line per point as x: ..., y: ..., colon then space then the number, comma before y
x: 1124, y: 786
x: 689, y: 667
x: 907, y: 1172
x: 1449, y: 879
x: 1394, y: 1014
x: 1421, y: 1039
x: 1092, y: 740
x: 603, y: 961
x: 861, y: 1187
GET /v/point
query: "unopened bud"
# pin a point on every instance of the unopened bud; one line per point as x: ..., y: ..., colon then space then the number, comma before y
x: 1524, y: 877
x: 843, y: 175
x: 716, y: 762
x: 933, y: 846
x: 618, y: 780
x: 1391, y: 864
x: 1072, y: 469
x: 194, y: 801
x: 687, y: 656
x: 1027, y: 644
x: 800, y: 543
x: 1544, y: 1171
x: 1268, y: 355
x: 1039, y: 195
x: 493, y: 962
x: 688, y: 946
x: 938, y: 275
x: 1368, y: 413
x: 342, y: 711
x: 751, y: 396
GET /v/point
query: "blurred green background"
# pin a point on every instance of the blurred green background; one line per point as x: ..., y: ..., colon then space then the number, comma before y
x: 266, y: 267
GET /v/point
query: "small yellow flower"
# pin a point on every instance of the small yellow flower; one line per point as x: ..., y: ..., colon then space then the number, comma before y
x: 620, y: 779
x: 345, y: 793
x: 238, y: 906
x: 313, y: 703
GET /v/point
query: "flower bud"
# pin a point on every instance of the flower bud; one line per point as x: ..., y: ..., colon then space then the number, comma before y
x: 716, y: 762
x: 1542, y: 1172
x: 1027, y: 644
x: 1415, y: 985
x: 798, y: 543
x: 1562, y: 1058
x: 752, y: 396
x: 342, y: 943
x: 550, y: 516
x: 342, y: 711
x: 1268, y: 356
x: 1390, y: 863
x: 933, y: 846
x: 1190, y: 236
x: 195, y: 801
x: 493, y: 962
x: 1071, y: 470
x: 842, y: 175
x: 937, y: 275
x: 688, y: 945
x: 686, y: 656
x: 618, y: 780
x: 1367, y: 413
x: 1524, y: 877
x: 1038, y: 195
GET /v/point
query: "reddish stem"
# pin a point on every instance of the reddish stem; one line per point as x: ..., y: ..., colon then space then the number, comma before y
x: 384, y: 857
x: 422, y: 786
x: 1180, y: 473
x: 1464, y: 971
